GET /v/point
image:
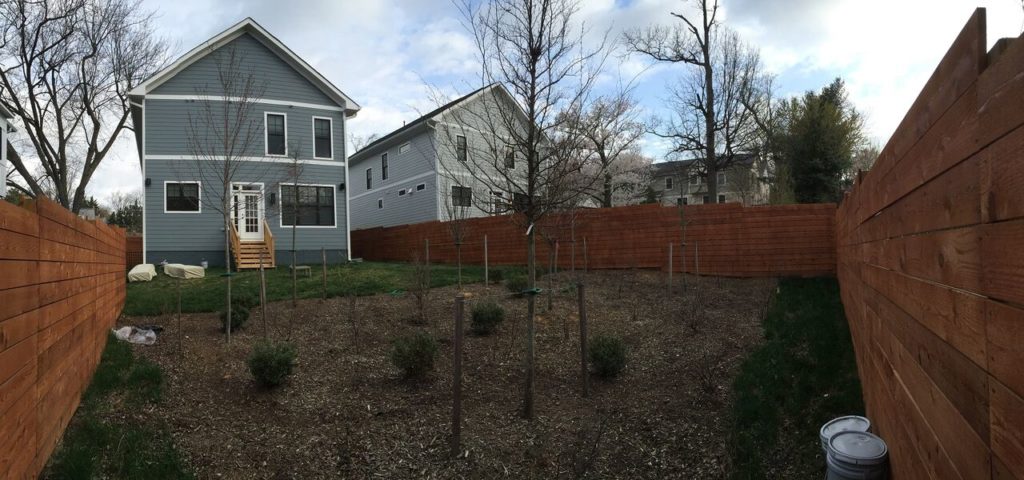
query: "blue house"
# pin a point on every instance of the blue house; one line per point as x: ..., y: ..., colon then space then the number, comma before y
x: 286, y: 161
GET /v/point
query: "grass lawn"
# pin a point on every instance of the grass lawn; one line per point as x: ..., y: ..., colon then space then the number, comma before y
x: 802, y: 376
x: 102, y: 441
x: 207, y: 294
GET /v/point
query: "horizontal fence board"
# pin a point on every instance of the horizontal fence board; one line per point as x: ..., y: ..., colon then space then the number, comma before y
x: 62, y: 287
x: 930, y: 261
x: 720, y: 239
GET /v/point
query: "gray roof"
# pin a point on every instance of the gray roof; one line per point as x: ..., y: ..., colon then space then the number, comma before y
x: 674, y: 166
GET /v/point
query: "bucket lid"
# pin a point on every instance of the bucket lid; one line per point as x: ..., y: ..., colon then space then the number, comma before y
x: 857, y: 448
x: 855, y: 423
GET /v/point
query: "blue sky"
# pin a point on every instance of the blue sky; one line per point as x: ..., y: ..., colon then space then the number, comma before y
x: 385, y: 53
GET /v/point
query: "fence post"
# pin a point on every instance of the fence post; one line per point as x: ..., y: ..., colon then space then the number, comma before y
x: 487, y: 278
x: 669, y: 267
x: 586, y: 257
x: 584, y: 371
x: 456, y: 439
x: 263, y: 295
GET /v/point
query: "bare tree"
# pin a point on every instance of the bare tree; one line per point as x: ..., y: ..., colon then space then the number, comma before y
x: 358, y: 142
x: 458, y: 206
x: 711, y: 120
x: 610, y: 129
x: 222, y: 131
x: 66, y: 67
x: 533, y: 50
x: 291, y: 196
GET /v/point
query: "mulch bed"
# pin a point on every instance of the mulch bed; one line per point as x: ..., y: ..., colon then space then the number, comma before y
x: 347, y: 413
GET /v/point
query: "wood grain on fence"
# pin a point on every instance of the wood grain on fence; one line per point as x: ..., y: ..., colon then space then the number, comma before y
x: 62, y: 286
x: 733, y: 240
x: 931, y: 267
x: 133, y: 251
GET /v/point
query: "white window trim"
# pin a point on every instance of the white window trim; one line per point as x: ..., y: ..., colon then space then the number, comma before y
x: 418, y: 189
x: 694, y: 179
x: 370, y: 178
x: 404, y: 148
x: 330, y: 121
x: 402, y: 192
x: 266, y: 143
x: 200, y: 192
x: 669, y: 183
x: 262, y: 194
x: 384, y: 164
x: 280, y: 193
x: 722, y: 178
x: 380, y: 203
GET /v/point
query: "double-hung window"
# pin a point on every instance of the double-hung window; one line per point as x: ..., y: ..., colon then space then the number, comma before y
x: 668, y: 183
x: 307, y: 205
x: 384, y: 166
x: 461, y: 196
x: 182, y: 197
x: 369, y: 178
x: 510, y: 157
x: 460, y: 148
x: 276, y: 130
x: 322, y: 147
x: 721, y: 178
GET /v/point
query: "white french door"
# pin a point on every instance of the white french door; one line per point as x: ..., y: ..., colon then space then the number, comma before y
x: 247, y: 211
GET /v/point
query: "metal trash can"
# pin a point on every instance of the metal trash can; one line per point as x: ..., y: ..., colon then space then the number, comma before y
x: 854, y: 423
x: 857, y: 456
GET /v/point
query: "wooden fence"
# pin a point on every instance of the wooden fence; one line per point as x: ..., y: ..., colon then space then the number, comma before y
x: 62, y: 285
x: 931, y: 266
x: 722, y: 239
x: 133, y: 251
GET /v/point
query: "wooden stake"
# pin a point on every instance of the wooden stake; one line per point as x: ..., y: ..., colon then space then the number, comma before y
x: 487, y: 278
x: 586, y: 257
x: 263, y: 295
x: 323, y: 256
x: 670, y: 267
x: 584, y: 370
x: 696, y: 257
x: 180, y: 333
x: 456, y: 439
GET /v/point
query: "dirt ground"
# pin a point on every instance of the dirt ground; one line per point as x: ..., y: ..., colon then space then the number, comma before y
x: 347, y: 413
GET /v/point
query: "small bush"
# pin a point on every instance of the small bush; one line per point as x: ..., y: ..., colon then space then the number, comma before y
x: 239, y: 315
x: 486, y: 318
x: 271, y: 363
x: 249, y: 300
x: 496, y: 275
x: 607, y: 355
x: 414, y: 354
x: 516, y: 283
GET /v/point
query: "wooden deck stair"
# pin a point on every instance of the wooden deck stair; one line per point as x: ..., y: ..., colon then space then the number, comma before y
x: 247, y: 254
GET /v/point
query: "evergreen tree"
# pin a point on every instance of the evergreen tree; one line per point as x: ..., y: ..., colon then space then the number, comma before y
x: 823, y: 131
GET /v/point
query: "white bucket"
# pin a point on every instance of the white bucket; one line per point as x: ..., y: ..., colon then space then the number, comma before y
x: 857, y: 456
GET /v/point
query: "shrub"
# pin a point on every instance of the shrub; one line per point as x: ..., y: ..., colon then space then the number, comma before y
x: 239, y: 315
x: 607, y: 355
x: 271, y: 363
x: 248, y: 299
x: 486, y: 318
x: 414, y: 354
x: 516, y: 283
x: 496, y: 275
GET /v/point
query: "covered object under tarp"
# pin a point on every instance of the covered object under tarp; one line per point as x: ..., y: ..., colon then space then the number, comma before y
x: 178, y: 270
x: 142, y: 272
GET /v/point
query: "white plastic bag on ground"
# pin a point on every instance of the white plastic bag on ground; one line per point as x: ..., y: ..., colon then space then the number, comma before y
x: 135, y: 335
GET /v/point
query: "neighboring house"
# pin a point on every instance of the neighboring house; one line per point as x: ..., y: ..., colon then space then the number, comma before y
x: 679, y: 183
x: 299, y: 111
x: 419, y: 172
x: 6, y: 127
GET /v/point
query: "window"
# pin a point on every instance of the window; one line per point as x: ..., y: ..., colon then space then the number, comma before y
x: 421, y: 186
x: 369, y: 178
x: 510, y: 157
x: 314, y: 207
x: 721, y: 199
x: 520, y: 201
x: 460, y: 148
x: 322, y: 147
x: 706, y: 199
x: 694, y: 180
x: 404, y: 148
x: 401, y: 193
x: 682, y: 201
x: 380, y: 203
x: 181, y: 197
x: 721, y: 178
x: 461, y: 196
x: 277, y: 136
x: 668, y: 183
x: 498, y: 203
x: 384, y: 166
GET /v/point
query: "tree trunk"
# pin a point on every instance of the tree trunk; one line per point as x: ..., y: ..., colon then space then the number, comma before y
x: 227, y: 257
x: 458, y: 262
x: 531, y: 276
x: 606, y: 200
x: 295, y: 277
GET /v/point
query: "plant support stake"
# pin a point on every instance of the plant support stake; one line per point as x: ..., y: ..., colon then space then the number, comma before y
x: 584, y: 373
x: 460, y: 301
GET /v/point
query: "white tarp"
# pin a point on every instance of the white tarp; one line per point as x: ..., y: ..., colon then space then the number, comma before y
x: 135, y: 335
x: 142, y: 272
x: 178, y: 270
